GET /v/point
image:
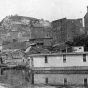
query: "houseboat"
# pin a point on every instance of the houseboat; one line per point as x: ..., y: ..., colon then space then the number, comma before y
x: 76, y: 60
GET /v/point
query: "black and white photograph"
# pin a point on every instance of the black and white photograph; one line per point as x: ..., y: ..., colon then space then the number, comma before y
x: 43, y: 43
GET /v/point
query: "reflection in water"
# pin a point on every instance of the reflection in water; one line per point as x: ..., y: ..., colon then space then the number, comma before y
x: 10, y: 78
x: 61, y: 79
x: 14, y: 78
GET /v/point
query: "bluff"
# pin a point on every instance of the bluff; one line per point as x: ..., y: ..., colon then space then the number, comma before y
x: 20, y: 28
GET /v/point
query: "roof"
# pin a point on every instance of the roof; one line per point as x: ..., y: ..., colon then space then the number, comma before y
x: 61, y: 46
x: 86, y: 15
x: 56, y: 54
x: 59, y: 20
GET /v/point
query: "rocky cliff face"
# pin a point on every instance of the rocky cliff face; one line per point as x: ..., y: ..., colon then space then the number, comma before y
x: 22, y: 28
x: 15, y: 27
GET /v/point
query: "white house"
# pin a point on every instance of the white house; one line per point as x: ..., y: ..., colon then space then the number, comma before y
x: 59, y: 61
x: 78, y: 49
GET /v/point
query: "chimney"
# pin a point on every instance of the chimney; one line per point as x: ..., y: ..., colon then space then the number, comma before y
x: 87, y: 8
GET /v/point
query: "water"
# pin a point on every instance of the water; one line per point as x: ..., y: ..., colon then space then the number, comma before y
x: 23, y: 78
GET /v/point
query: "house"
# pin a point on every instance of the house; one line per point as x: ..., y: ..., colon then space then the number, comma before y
x: 78, y: 49
x: 59, y: 61
x: 64, y: 30
x: 40, y: 32
x: 86, y: 22
x: 41, y: 36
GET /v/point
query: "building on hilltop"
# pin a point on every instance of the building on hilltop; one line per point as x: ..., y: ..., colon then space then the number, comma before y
x: 64, y: 30
x: 86, y: 22
x: 41, y: 35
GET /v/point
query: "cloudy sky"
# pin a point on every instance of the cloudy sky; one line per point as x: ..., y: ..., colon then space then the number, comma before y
x: 46, y: 9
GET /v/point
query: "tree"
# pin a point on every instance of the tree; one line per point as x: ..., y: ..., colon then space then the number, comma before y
x: 81, y: 40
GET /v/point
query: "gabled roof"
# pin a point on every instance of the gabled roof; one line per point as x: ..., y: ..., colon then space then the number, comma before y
x: 86, y: 15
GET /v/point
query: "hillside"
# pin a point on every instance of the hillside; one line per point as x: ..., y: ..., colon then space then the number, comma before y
x: 19, y: 27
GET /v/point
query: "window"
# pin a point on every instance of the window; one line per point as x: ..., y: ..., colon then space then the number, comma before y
x: 84, y: 57
x: 32, y: 78
x: 64, y: 58
x: 85, y: 81
x: 46, y: 60
x: 80, y: 21
x: 31, y: 59
x: 46, y: 80
x: 65, y: 81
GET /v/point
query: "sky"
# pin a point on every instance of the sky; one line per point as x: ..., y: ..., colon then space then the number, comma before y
x: 44, y: 9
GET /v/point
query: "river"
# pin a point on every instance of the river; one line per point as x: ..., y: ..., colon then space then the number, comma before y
x: 23, y: 78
